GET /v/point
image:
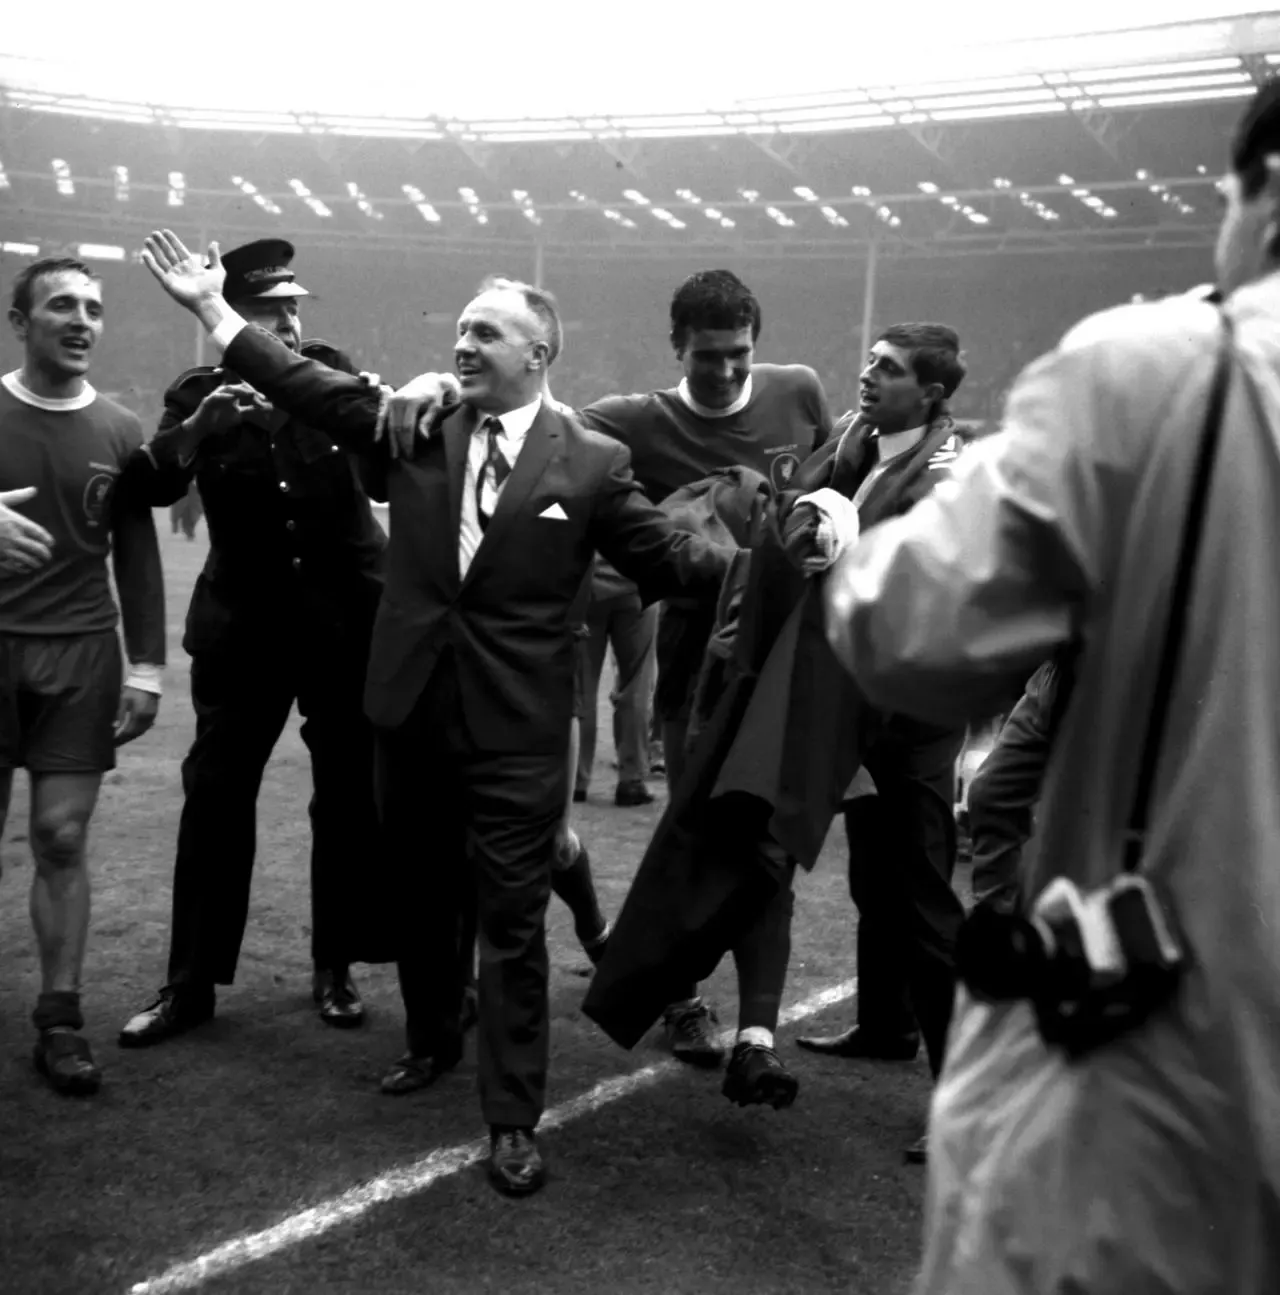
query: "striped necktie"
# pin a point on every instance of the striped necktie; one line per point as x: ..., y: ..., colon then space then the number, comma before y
x: 495, y: 469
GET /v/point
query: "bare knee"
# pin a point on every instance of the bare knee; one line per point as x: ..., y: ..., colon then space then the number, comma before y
x: 58, y: 839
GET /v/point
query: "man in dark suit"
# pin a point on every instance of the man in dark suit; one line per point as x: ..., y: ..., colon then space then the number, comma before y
x: 282, y: 613
x: 786, y: 736
x: 493, y: 525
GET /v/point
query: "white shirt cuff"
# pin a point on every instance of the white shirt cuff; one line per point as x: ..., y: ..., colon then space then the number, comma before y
x: 838, y: 526
x: 226, y: 331
x: 145, y: 678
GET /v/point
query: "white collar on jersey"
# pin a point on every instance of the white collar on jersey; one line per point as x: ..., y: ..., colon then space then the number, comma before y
x: 13, y: 384
x: 739, y: 404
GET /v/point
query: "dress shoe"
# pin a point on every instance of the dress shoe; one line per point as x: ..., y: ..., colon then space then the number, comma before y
x: 594, y: 949
x: 857, y: 1043
x: 691, y: 1035
x: 918, y: 1152
x: 339, y: 999
x: 64, y: 1059
x: 630, y: 794
x: 411, y: 1074
x: 177, y: 1010
x: 515, y: 1164
x: 757, y: 1077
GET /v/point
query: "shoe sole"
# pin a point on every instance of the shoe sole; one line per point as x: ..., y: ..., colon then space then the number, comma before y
x: 505, y: 1187
x: 343, y: 1022
x: 777, y: 1091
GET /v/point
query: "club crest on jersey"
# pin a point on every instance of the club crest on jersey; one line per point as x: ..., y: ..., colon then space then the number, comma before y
x: 97, y: 494
x: 782, y: 469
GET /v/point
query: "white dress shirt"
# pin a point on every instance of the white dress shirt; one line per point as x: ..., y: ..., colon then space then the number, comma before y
x: 890, y: 447
x: 515, y: 427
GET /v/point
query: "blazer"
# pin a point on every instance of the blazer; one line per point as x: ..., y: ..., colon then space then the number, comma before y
x: 293, y: 546
x: 508, y: 622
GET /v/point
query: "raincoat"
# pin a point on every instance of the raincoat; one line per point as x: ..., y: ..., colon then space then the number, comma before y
x: 1153, y: 1164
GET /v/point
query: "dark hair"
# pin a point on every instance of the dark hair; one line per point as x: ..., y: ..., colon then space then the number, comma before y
x: 935, y: 353
x: 540, y: 302
x: 1257, y: 135
x: 24, y: 286
x: 713, y: 299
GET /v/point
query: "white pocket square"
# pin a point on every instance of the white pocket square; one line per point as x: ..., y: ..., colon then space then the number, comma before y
x: 555, y: 513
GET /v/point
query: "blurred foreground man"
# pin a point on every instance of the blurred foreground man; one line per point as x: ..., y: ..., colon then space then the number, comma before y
x: 1152, y: 1162
x: 64, y: 451
x: 281, y: 614
x: 494, y: 521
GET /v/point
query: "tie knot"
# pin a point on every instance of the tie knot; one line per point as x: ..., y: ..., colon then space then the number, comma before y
x: 493, y: 425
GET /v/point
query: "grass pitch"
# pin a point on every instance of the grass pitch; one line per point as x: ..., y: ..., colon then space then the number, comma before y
x: 265, y: 1111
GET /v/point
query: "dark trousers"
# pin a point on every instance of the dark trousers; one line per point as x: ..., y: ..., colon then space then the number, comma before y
x: 630, y: 628
x: 470, y: 827
x: 761, y: 948
x: 241, y: 709
x: 902, y: 850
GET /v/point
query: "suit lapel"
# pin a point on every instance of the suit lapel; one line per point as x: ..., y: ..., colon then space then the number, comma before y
x: 457, y: 431
x: 544, y: 440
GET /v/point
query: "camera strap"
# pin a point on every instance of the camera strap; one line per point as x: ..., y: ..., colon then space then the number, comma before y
x: 1180, y: 600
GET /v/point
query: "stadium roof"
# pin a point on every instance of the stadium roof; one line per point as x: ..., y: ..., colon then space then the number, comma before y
x: 1092, y: 154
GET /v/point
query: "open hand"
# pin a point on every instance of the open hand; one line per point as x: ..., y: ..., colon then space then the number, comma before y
x: 25, y: 546
x: 416, y: 410
x: 186, y: 276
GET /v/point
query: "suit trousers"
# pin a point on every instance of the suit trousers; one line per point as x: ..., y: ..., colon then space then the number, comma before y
x: 470, y: 827
x: 242, y: 705
x: 902, y: 851
x: 630, y: 628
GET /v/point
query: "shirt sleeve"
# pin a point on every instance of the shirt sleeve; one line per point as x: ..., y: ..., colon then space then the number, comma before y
x: 135, y: 559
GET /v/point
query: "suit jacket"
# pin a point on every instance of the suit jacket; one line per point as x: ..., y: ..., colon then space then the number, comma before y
x: 785, y: 730
x: 508, y: 622
x: 293, y: 545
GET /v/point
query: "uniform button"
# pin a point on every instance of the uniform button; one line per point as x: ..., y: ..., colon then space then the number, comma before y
x: 284, y: 487
x: 334, y: 449
x: 291, y: 525
x: 297, y: 562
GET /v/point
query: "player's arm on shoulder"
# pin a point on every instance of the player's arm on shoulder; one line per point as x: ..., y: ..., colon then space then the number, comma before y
x: 344, y: 405
x: 613, y: 417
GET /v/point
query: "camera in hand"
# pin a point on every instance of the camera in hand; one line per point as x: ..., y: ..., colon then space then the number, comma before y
x: 1094, y: 964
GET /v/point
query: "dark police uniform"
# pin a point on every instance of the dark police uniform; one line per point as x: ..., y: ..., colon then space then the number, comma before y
x: 282, y: 613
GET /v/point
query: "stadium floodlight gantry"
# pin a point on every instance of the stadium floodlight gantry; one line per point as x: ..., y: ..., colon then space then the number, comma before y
x: 1105, y: 141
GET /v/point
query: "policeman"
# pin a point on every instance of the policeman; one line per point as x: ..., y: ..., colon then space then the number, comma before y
x: 281, y: 613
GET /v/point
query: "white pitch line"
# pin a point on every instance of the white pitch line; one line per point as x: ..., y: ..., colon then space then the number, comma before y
x: 395, y: 1184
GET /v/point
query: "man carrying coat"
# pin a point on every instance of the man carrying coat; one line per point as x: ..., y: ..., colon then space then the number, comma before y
x: 493, y: 525
x: 281, y: 614
x: 785, y: 736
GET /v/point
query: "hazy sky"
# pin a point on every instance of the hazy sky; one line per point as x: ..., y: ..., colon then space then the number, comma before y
x: 503, y: 58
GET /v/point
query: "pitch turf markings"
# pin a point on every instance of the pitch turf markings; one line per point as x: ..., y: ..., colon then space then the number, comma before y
x: 395, y: 1184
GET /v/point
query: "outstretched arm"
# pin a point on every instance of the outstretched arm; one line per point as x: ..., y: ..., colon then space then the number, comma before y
x: 342, y: 404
